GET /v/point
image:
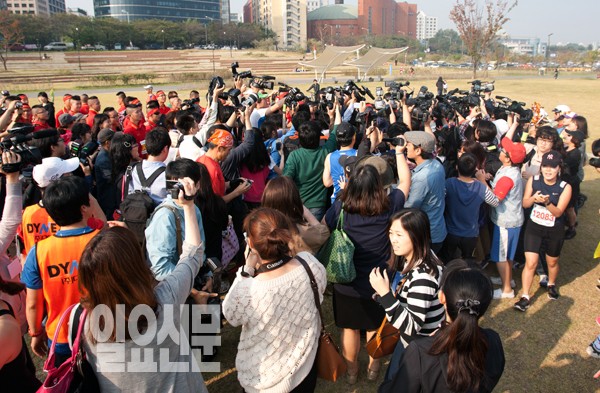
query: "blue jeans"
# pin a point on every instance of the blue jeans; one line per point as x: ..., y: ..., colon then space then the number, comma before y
x: 394, y: 365
x: 318, y: 212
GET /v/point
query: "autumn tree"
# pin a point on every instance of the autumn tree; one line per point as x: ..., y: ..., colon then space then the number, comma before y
x: 478, y: 26
x: 10, y: 33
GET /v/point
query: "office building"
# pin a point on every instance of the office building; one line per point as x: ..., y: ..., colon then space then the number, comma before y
x: 426, y: 26
x: 387, y: 17
x: 36, y: 7
x: 287, y: 18
x: 175, y: 10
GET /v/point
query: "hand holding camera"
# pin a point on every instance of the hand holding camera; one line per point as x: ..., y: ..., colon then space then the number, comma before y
x: 11, y: 165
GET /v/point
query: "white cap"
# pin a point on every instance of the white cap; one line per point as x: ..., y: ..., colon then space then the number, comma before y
x: 148, y: 87
x: 52, y: 168
x: 501, y: 127
x: 561, y: 109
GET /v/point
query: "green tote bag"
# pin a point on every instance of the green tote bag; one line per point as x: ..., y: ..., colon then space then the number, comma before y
x: 337, y: 255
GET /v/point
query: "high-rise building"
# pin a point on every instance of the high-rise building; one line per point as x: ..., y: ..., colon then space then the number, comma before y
x: 312, y: 5
x: 225, y: 11
x: 175, y: 10
x: 387, y: 17
x: 287, y: 18
x: 427, y: 26
x: 36, y: 7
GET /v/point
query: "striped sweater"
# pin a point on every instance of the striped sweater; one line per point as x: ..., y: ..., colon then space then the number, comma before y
x: 416, y: 309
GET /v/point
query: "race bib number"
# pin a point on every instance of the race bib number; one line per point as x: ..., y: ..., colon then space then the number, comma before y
x: 542, y: 216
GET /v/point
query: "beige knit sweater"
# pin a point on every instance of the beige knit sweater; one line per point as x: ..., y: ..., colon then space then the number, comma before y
x: 280, y: 327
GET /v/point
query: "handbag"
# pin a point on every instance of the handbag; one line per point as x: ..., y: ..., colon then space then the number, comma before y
x: 75, y: 375
x: 330, y: 364
x: 384, y: 341
x: 230, y: 244
x: 337, y: 255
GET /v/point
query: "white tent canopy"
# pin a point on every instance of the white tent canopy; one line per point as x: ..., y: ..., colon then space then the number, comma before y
x: 374, y: 58
x: 332, y: 56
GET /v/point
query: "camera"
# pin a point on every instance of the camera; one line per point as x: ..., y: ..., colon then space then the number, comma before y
x: 173, y: 188
x: 250, y: 100
x: 19, y: 105
x: 84, y: 152
x: 5, y: 93
x: 243, y: 74
x: 215, y: 83
x: 478, y: 86
x: 397, y: 141
x: 294, y: 97
x: 17, y: 142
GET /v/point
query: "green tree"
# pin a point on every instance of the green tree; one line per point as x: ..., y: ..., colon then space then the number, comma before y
x: 445, y: 41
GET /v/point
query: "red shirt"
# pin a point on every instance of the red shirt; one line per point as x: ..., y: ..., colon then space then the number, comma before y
x: 164, y: 110
x: 85, y: 109
x: 57, y: 115
x: 139, y: 133
x: 90, y: 119
x: 216, y: 174
x: 151, y: 97
x: 40, y: 126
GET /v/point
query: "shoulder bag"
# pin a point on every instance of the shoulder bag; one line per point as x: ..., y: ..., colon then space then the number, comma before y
x: 330, y: 363
x: 337, y: 255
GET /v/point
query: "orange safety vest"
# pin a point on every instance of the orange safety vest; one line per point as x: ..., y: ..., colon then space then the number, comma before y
x: 58, y: 262
x: 36, y: 225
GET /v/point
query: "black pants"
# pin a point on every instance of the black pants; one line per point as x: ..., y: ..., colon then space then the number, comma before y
x: 464, y: 245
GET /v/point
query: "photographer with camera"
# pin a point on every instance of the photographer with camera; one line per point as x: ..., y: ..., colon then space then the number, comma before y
x: 14, y: 108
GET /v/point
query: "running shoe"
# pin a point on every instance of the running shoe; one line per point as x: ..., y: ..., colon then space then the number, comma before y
x: 498, y: 281
x: 523, y: 304
x: 552, y: 292
x: 543, y: 281
x: 498, y: 294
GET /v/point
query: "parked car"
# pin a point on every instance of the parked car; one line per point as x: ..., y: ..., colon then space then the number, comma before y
x: 31, y: 47
x: 132, y: 48
x: 16, y: 47
x: 56, y: 46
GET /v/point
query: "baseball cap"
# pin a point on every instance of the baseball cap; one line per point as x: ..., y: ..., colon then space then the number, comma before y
x: 383, y: 168
x: 79, y: 116
x: 148, y: 87
x: 552, y: 158
x: 570, y: 115
x: 421, y: 139
x: 516, y: 151
x: 347, y: 162
x: 106, y: 134
x: 221, y: 138
x: 66, y: 119
x: 576, y: 135
x: 561, y: 109
x: 344, y: 129
x: 52, y: 168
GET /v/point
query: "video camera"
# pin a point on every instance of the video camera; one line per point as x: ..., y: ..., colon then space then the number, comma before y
x: 511, y: 106
x: 17, y: 142
x: 263, y: 82
x: 243, y: 74
x: 421, y: 103
x: 359, y: 92
x: 294, y: 97
x: 84, y: 152
x: 478, y: 86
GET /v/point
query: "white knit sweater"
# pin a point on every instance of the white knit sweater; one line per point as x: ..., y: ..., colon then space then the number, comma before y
x: 280, y: 327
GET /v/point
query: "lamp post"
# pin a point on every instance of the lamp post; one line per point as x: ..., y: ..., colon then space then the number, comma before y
x: 213, y: 47
x: 128, y: 28
x: 548, y: 48
x: 78, y: 48
x: 163, y: 37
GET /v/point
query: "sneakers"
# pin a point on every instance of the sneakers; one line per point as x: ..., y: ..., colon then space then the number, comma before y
x: 523, y: 304
x: 543, y: 280
x: 552, y: 292
x: 592, y: 351
x: 570, y: 233
x: 498, y: 294
x: 498, y: 281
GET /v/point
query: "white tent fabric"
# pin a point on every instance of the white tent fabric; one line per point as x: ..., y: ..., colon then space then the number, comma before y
x: 374, y: 58
x: 332, y: 56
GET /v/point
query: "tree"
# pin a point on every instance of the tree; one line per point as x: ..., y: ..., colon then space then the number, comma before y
x: 10, y: 33
x: 445, y: 42
x: 478, y: 27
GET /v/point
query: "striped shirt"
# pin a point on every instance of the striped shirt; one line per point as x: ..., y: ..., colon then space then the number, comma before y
x: 416, y: 309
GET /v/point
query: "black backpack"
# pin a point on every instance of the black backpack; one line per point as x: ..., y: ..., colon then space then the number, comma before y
x: 290, y: 144
x: 138, y: 206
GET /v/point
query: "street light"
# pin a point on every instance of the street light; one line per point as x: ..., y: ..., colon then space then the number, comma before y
x: 128, y: 28
x: 213, y: 47
x: 126, y: 13
x: 78, y: 48
x: 163, y: 37
x: 548, y: 48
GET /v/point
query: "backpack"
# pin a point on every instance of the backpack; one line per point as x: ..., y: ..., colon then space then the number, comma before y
x: 290, y: 144
x: 138, y: 206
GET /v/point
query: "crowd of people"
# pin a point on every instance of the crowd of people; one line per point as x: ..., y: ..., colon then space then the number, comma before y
x: 160, y: 201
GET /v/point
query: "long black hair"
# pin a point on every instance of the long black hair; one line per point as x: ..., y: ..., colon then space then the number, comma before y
x: 258, y: 158
x: 416, y: 223
x: 468, y: 293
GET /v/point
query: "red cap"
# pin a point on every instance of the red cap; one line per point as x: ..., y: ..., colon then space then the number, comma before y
x: 159, y: 93
x: 67, y: 97
x: 516, y: 150
x: 152, y: 111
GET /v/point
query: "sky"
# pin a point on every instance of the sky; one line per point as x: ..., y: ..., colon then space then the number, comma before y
x: 573, y: 21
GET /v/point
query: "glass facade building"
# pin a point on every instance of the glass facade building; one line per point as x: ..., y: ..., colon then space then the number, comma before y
x: 175, y: 10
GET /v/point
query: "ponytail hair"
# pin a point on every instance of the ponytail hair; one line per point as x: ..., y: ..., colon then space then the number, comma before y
x: 11, y: 287
x: 468, y: 295
x: 271, y: 233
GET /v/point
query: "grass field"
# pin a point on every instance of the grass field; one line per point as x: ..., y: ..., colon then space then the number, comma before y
x: 545, y: 347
